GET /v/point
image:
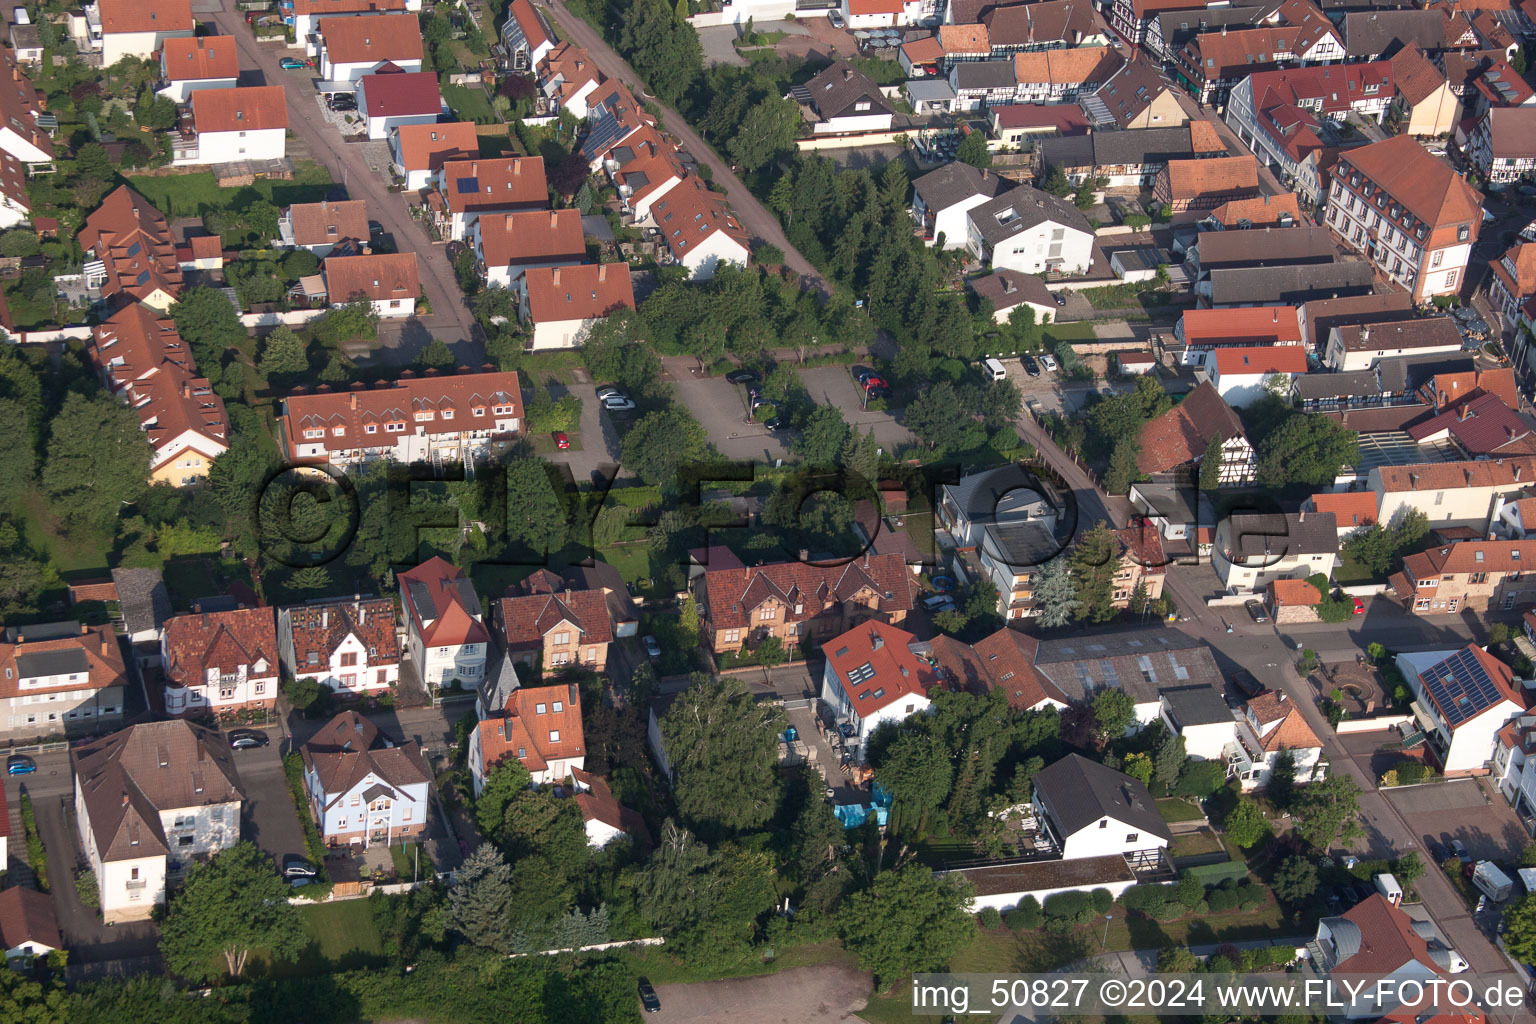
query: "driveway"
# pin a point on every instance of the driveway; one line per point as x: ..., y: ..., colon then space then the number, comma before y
x: 717, y: 44
x: 804, y: 994
x: 598, y: 437
x: 1488, y: 828
x: 267, y: 816
x: 835, y: 386
x: 721, y: 407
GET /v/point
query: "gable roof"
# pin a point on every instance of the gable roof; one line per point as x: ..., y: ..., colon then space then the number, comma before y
x: 379, y: 37
x: 690, y: 213
x: 1291, y: 284
x: 1367, y: 33
x: 142, y: 596
x: 1190, y: 179
x: 1022, y: 208
x: 1443, y: 476
x: 1182, y: 434
x: 132, y: 238
x: 538, y: 725
x: 525, y: 620
x: 1264, y: 246
x: 1006, y: 289
x: 196, y: 58
x: 525, y: 236
x: 1041, y: 22
x: 329, y: 222
x: 1272, y: 706
x: 59, y: 649
x: 529, y: 23
x: 351, y: 419
x: 1481, y: 426
x: 1078, y: 793
x: 320, y: 8
x: 1075, y: 66
x: 249, y: 109
x: 145, y: 16
x: 1415, y: 75
x: 1294, y: 593
x: 1264, y: 359
x: 320, y: 629
x: 429, y: 146
x: 349, y: 749
x: 875, y: 666
x: 1272, y: 324
x: 957, y: 181
x: 380, y: 277
x: 1426, y: 185
x: 408, y: 94
x: 1423, y: 332
x: 1131, y: 90
x: 1005, y: 660
x: 598, y: 803
x: 226, y: 641
x: 583, y: 292
x: 730, y: 594
x: 442, y: 604
x: 1321, y: 315
x: 502, y: 183
x: 959, y: 39
x: 26, y: 915
x: 1259, y: 534
x: 1511, y: 131
x: 1349, y: 508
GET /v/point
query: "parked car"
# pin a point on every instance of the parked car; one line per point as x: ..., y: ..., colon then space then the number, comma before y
x: 1247, y: 684
x: 742, y: 376
x: 648, y: 998
x: 1359, y: 606
x: 1437, y: 849
x: 1061, y: 300
x: 1256, y: 610
x: 863, y: 375
x: 245, y: 739
x: 651, y: 646
x: 1460, y: 851
x: 874, y: 382
x: 1049, y: 362
x: 20, y: 764
x: 836, y: 18
x: 874, y: 393
x: 776, y: 423
x: 295, y: 866
x: 618, y: 403
x: 299, y: 883
x: 938, y: 602
x: 562, y: 441
x: 1030, y: 366
x: 291, y: 64
x: 608, y: 390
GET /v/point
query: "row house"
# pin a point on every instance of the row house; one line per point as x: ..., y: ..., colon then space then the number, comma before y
x: 1450, y: 493
x: 24, y: 147
x: 151, y: 800
x: 235, y: 126
x: 220, y: 662
x: 1473, y: 575
x: 348, y: 646
x: 1503, y: 145
x: 1410, y: 213
x: 468, y: 188
x: 136, y: 28
x: 389, y: 282
x: 426, y: 419
x: 563, y: 304
x: 1512, y: 288
x: 60, y: 677
x: 391, y: 98
x: 141, y: 357
x: 943, y: 198
x: 1169, y: 31
x: 129, y: 252
x: 324, y: 227
x: 1129, y: 18
x: 1462, y: 701
x: 1423, y: 102
x: 643, y: 169
x: 613, y: 115
x: 1046, y: 25
x: 364, y: 788
x: 419, y: 151
x: 1137, y: 96
x: 567, y: 77
x: 445, y: 629
x: 700, y: 231
x: 188, y: 64
x: 1128, y: 159
x: 1062, y: 76
x: 1361, y: 347
x: 1319, y: 317
x: 353, y: 47
x: 1182, y: 437
x: 1185, y: 185
x: 508, y: 245
x: 791, y: 600
x: 305, y: 15
x: 986, y: 83
x: 540, y: 726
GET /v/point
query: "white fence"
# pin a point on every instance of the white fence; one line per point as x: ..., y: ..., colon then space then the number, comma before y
x: 80, y: 332
x: 594, y: 948
x: 1380, y: 723
x: 297, y: 316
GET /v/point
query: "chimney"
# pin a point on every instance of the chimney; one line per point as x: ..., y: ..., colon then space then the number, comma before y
x: 556, y: 275
x: 84, y: 629
x: 474, y: 168
x: 602, y: 272
x: 1413, y: 479
x: 125, y: 799
x: 354, y: 401
x: 847, y: 74
x: 325, y: 618
x: 554, y: 219
x: 876, y: 641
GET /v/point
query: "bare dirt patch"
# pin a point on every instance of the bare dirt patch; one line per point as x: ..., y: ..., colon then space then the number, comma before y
x: 803, y: 994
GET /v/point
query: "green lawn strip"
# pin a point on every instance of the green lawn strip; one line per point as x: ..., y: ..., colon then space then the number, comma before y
x: 1177, y: 809
x: 342, y: 929
x: 469, y: 103
x: 1350, y: 571
x: 661, y: 968
x: 198, y: 193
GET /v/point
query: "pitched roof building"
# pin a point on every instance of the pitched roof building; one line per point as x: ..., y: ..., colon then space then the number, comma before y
x: 133, y: 243
x: 220, y: 661
x: 1203, y: 184
x: 389, y: 280
x: 364, y: 788
x: 1182, y: 434
x: 349, y: 646
x: 199, y: 58
x: 421, y: 150
x: 372, y: 40
x: 540, y: 726
x: 60, y: 677
x: 699, y: 229
x: 557, y: 298
x: 559, y: 630
x: 251, y: 108
x: 325, y: 225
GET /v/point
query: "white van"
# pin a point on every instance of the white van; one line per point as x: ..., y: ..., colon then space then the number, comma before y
x: 993, y: 369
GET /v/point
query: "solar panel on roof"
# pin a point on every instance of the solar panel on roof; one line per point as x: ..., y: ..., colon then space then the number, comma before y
x: 468, y: 185
x: 1460, y: 687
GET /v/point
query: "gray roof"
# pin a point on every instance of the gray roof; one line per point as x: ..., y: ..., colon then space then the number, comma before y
x: 955, y: 182
x: 1317, y: 387
x: 1289, y: 285
x: 983, y: 74
x: 52, y: 663
x: 1146, y: 145
x: 1131, y: 90
x: 1423, y: 332
x: 1368, y: 33
x: 142, y: 596
x: 1257, y: 534
x: 1078, y: 793
x: 1021, y: 545
x: 1401, y: 374
x: 988, y: 495
x: 926, y: 90
x: 1012, y: 212
x: 1171, y: 502
x: 1008, y: 288
x: 1140, y: 661
x: 25, y: 37
x: 834, y: 92
x: 1197, y: 705
x: 1265, y: 247
x: 1073, y: 150
x: 1179, y: 27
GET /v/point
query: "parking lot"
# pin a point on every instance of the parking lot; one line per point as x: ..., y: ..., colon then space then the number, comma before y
x: 835, y: 386
x: 1459, y: 810
x: 720, y: 407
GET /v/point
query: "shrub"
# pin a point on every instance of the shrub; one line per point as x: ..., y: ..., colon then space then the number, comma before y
x: 990, y: 918
x: 1025, y: 917
x: 85, y: 888
x: 1189, y: 891
x: 1149, y: 899
x: 1103, y: 899
x: 1075, y: 907
x: 1412, y: 772
x: 1221, y: 900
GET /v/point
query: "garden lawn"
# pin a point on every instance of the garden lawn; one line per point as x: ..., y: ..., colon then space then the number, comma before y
x: 186, y: 195
x: 342, y: 930
x: 1076, y: 330
x: 1178, y: 809
x: 661, y: 968
x: 80, y: 551
x: 469, y: 103
x: 1350, y: 571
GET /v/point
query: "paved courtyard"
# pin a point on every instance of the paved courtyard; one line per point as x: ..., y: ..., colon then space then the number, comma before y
x: 721, y: 407
x: 267, y: 814
x: 835, y: 386
x: 798, y: 996
x: 1463, y: 810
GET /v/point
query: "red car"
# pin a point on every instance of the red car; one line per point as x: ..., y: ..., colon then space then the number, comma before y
x: 561, y: 441
x: 870, y: 383
x: 1359, y: 606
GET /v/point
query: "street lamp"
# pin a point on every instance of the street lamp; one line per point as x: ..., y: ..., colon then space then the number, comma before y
x: 1105, y: 941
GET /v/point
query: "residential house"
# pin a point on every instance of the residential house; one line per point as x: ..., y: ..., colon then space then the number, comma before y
x: 1318, y: 317
x: 1203, y: 184
x: 425, y: 419
x: 563, y: 303
x: 190, y: 63
x: 1252, y: 550
x: 1408, y: 212
x: 1143, y: 563
x: 1504, y: 144
x: 1461, y: 699
x: 1484, y: 427
x: 1136, y: 96
x: 1002, y: 661
x: 1292, y: 601
x: 349, y: 647
x: 324, y: 226
x: 1493, y: 84
x: 1362, y: 346
x: 1475, y: 575
x: 353, y: 47
x: 1127, y: 159
x: 1046, y: 25
x: 1013, y: 520
x: 1449, y: 493
x: 236, y: 125
x: 130, y: 254
x: 1130, y: 18
x: 1242, y: 376
x: 141, y: 357
x: 364, y: 788
x: 1063, y: 76
x: 1016, y: 123
x: 566, y: 77
x: 1352, y: 510
x: 24, y: 147
x: 418, y: 151
x: 1423, y: 102
x: 1204, y: 330
x: 26, y: 44
x: 149, y: 800
x: 790, y: 600
x: 942, y: 198
x: 645, y: 167
x: 307, y: 15
x: 1372, y: 35
x: 387, y: 281
x: 60, y: 677
x: 843, y: 101
x: 872, y: 677
x: 221, y: 661
x: 468, y: 188
x: 859, y: 14
x: 613, y: 115
x: 1512, y: 290
x: 1008, y: 290
x: 540, y: 726
x: 1180, y: 513
x: 604, y: 818
x: 1183, y: 435
x: 1268, y: 726
x: 980, y: 84
x: 28, y: 928
x: 699, y: 230
x: 145, y: 605
x: 508, y: 245
x: 1320, y: 392
x: 1259, y: 247
x: 1215, y: 62
x: 1091, y: 810
x: 1029, y: 231
x: 136, y: 28
x: 526, y: 37
x: 1279, y: 211
x: 1379, y: 939
x: 1289, y: 286
x: 388, y: 101
x: 1284, y: 115
x: 1200, y: 716
x: 554, y: 631
x: 444, y: 627
x: 1142, y: 662
x: 202, y: 252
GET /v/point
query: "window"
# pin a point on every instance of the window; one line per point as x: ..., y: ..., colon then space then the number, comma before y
x: 559, y: 706
x: 405, y: 815
x: 356, y: 800
x: 261, y: 688
x: 540, y: 709
x: 1133, y: 837
x: 1435, y: 260
x: 1104, y: 823
x: 562, y: 639
x: 1450, y: 279
x: 341, y: 822
x: 554, y: 735
x: 767, y: 614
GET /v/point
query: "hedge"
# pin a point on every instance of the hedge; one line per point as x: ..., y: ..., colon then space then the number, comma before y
x: 1215, y: 874
x: 293, y: 767
x: 1025, y: 917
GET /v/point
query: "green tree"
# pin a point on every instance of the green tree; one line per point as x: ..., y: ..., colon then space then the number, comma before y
x: 228, y: 906
x: 1138, y: 767
x: 723, y: 748
x: 1410, y: 530
x: 1056, y: 184
x: 1327, y: 811
x: 300, y: 263
x: 1408, y: 869
x: 536, y: 512
x: 916, y: 770
x: 689, y: 629
x: 1211, y: 463
x: 284, y: 352
x: 480, y: 902
x: 436, y: 355
x: 98, y: 459
x: 907, y: 921
x: 663, y: 442
x: 1520, y: 929
x: 1169, y: 764
x: 1281, y: 787
x: 504, y: 780
x: 209, y: 324
x: 1095, y: 561
x: 1372, y: 547
x: 934, y: 417
x: 18, y: 460
x: 768, y: 255
x: 1123, y: 469
x: 823, y: 436
x: 1055, y: 594
x: 767, y: 131
x: 1245, y: 824
x: 1115, y: 713
x: 311, y: 577
x: 1295, y: 879
x: 973, y: 150
x: 1306, y: 449
x: 860, y: 455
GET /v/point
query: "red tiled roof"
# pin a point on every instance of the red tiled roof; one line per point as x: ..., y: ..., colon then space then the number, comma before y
x: 1004, y: 660
x: 1415, y: 75
x: 330, y: 222
x: 322, y: 628
x: 528, y: 20
x: 1263, y: 359
x: 1326, y: 88
x: 525, y: 621
x: 248, y: 109
x: 200, y: 57
x: 320, y: 8
x: 1259, y: 212
x: 1293, y: 732
x: 890, y: 671
x: 531, y: 236
x: 410, y: 93
x: 1210, y: 176
x: 527, y: 733
x: 454, y: 607
x: 1183, y: 432
x: 145, y: 16
x: 1294, y: 593
x: 690, y: 213
x: 100, y: 658
x: 1144, y: 545
x: 1482, y: 426
x: 1274, y: 324
x: 381, y: 277
x: 226, y: 641
x: 1425, y: 184
x: 1387, y: 940
x: 1066, y: 118
x: 132, y: 237
x: 429, y: 146
x: 502, y: 183
x: 1067, y: 67
x: 346, y: 751
x: 379, y: 37
x: 1522, y: 283
x: 927, y: 50
x: 581, y: 292
x: 598, y: 803
x: 1446, y: 476
x: 1349, y: 508
x: 732, y: 594
x: 964, y: 39
x: 858, y: 8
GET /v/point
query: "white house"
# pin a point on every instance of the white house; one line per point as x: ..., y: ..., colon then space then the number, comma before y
x: 444, y: 626
x: 1029, y: 231
x: 942, y: 198
x: 136, y: 28
x: 220, y: 661
x: 354, y: 47
x: 191, y: 63
x: 844, y: 101
x: 467, y: 189
x: 1009, y: 290
x: 308, y: 13
x: 1201, y: 716
x: 1251, y: 551
x: 23, y: 145
x: 1449, y: 493
x: 1006, y: 494
x: 1361, y: 346
x: 237, y: 125
x: 321, y: 227
x: 508, y: 245
x: 28, y: 928
x: 388, y: 281
x: 563, y: 303
x: 1379, y: 940
x: 538, y: 725
x: 526, y: 37
x: 699, y: 229
x: 872, y: 677
x: 1461, y: 700
x: 567, y: 77
x: 349, y: 647
x: 604, y: 817
x: 388, y: 101
x: 149, y: 800
x: 418, y: 151
x: 365, y: 789
x: 1270, y: 725
x: 1242, y: 376
x: 1091, y: 810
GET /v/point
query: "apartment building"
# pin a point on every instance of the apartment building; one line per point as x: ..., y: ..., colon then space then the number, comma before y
x: 220, y: 662
x: 1450, y: 493
x: 563, y: 303
x: 444, y: 625
x: 872, y: 676
x: 942, y: 198
x: 60, y: 677
x: 364, y: 788
x: 554, y: 631
x: 540, y: 726
x: 1254, y: 550
x: 348, y: 646
x: 1031, y: 232
x: 1480, y: 576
